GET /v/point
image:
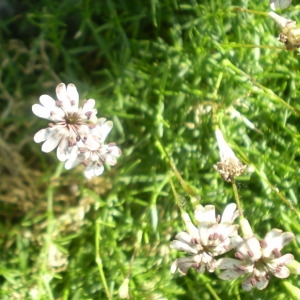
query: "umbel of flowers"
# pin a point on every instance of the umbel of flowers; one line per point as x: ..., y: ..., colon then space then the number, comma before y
x: 210, y: 238
x: 213, y: 236
x: 75, y: 131
x: 257, y: 259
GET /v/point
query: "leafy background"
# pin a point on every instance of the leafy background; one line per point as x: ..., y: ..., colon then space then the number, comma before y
x: 155, y: 68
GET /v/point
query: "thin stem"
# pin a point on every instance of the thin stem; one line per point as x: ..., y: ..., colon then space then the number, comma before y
x: 46, y: 277
x: 176, y: 196
x: 185, y: 186
x: 214, y: 97
x: 269, y: 92
x: 99, y: 260
x: 251, y: 11
x: 212, y: 291
x: 237, y: 198
x: 251, y: 46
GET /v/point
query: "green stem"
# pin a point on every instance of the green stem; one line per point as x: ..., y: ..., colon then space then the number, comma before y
x: 212, y: 291
x: 237, y: 199
x: 185, y: 186
x: 251, y: 11
x: 269, y: 92
x: 49, y: 230
x: 99, y: 260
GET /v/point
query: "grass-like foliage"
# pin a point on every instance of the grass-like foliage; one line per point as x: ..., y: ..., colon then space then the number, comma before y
x: 167, y: 73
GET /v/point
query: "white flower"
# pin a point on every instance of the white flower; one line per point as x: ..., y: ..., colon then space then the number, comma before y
x: 209, y: 239
x: 93, y: 153
x: 69, y: 123
x: 76, y: 132
x: 258, y: 259
x: 230, y: 166
x: 279, y: 4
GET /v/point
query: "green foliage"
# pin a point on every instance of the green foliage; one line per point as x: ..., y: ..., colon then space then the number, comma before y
x: 154, y: 68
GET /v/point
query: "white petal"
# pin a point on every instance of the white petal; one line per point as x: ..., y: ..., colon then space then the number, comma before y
x: 93, y: 171
x: 74, y: 159
x: 71, y: 164
x: 52, y: 142
x: 100, y: 132
x: 73, y: 94
x: 105, y: 129
x: 262, y: 284
x: 249, y: 248
x: 63, y: 149
x: 98, y: 170
x: 42, y: 135
x: 184, y: 237
x: 229, y: 274
x: 181, y: 246
x: 41, y: 111
x: 190, y: 227
x: 230, y: 213
x: 91, y: 143
x: 110, y: 160
x: 89, y: 105
x: 114, y: 151
x: 246, y: 284
x: 224, y: 149
x: 279, y: 4
x: 183, y: 265
x: 276, y: 239
x: 61, y: 92
x: 47, y: 101
x: 286, y: 259
x: 204, y: 233
x: 205, y: 214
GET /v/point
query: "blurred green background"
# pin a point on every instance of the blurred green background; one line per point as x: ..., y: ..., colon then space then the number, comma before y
x: 155, y: 69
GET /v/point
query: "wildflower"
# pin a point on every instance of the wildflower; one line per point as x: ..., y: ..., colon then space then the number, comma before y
x: 289, y: 34
x: 258, y: 259
x: 76, y: 132
x: 230, y: 166
x: 279, y: 4
x: 93, y: 153
x: 70, y: 124
x: 209, y: 239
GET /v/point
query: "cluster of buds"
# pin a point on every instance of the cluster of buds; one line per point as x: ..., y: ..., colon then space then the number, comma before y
x: 75, y: 131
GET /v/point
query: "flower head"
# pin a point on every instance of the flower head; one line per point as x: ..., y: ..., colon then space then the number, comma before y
x: 230, y: 166
x: 75, y: 131
x: 93, y: 153
x: 209, y: 239
x: 258, y: 259
x: 289, y: 32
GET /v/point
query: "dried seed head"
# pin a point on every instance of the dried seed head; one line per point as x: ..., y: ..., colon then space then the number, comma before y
x: 230, y: 166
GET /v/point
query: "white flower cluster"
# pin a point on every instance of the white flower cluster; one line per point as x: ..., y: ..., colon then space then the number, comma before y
x: 75, y: 131
x: 209, y: 239
x: 214, y: 236
x: 258, y: 259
